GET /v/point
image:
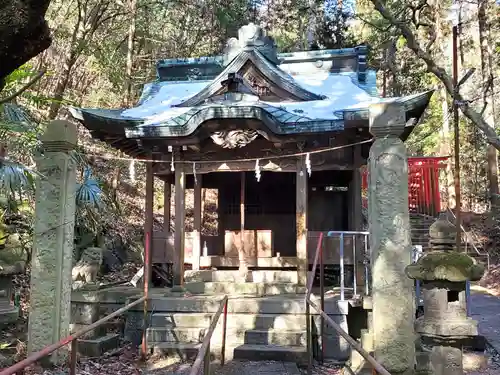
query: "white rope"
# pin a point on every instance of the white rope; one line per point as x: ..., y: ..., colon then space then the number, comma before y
x: 271, y: 157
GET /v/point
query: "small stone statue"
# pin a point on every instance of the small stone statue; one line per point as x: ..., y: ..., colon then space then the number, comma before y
x: 87, y: 268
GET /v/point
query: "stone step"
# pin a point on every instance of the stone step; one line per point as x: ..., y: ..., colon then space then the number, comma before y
x: 249, y: 305
x: 295, y: 354
x: 235, y: 288
x: 185, y: 351
x: 234, y: 336
x: 243, y: 321
x: 275, y: 337
x: 235, y: 276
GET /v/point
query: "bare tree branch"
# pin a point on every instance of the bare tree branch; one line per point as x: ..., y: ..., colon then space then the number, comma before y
x: 432, y: 67
x: 24, y: 88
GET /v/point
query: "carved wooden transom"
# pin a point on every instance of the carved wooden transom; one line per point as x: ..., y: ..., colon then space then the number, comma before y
x: 234, y: 138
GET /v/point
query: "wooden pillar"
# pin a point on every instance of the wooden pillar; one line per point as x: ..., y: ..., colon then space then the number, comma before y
x: 301, y: 221
x: 197, y: 223
x: 180, y: 214
x: 148, y: 228
x: 241, y: 253
x: 167, y: 195
x: 356, y: 215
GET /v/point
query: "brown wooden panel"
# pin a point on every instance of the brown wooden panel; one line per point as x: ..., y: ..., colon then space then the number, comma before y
x: 257, y: 243
x: 331, y: 248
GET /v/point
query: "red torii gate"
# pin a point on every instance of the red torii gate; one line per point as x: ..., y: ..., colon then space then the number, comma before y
x: 423, y: 184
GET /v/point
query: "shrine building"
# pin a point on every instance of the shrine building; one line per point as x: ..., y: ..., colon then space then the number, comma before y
x: 280, y: 136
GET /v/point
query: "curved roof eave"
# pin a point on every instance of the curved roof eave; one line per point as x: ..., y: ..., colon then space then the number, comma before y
x: 278, y: 121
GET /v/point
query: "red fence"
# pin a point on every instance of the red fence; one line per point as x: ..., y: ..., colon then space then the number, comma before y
x: 423, y: 184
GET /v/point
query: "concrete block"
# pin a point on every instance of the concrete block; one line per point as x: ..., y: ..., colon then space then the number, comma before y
x: 9, y: 315
x: 275, y: 337
x: 250, y: 305
x: 295, y: 354
x: 335, y: 346
x: 237, y: 321
x: 96, y: 347
x: 95, y: 333
x: 232, y: 276
x: 235, y: 288
x: 185, y: 351
x: 84, y: 313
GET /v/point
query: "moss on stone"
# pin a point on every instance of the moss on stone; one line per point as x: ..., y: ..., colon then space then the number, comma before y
x: 450, y: 266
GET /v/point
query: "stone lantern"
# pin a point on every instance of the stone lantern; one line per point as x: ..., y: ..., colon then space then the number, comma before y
x: 8, y: 312
x: 443, y: 273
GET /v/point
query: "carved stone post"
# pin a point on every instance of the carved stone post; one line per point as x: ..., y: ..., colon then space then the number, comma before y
x: 390, y: 242
x: 49, y: 318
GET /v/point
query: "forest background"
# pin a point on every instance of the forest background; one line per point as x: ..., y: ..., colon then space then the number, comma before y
x: 99, y: 53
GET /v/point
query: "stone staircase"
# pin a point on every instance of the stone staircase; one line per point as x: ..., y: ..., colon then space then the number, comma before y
x: 266, y: 317
x: 419, y: 225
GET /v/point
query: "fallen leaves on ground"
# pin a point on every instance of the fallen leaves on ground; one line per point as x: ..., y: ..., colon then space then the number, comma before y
x: 123, y: 361
x: 491, y: 280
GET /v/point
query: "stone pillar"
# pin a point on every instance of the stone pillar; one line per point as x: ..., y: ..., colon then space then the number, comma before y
x: 301, y: 221
x: 390, y: 242
x: 50, y: 300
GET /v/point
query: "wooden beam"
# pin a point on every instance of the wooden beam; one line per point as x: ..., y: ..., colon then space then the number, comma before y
x: 180, y: 214
x: 284, y: 165
x: 148, y: 227
x: 197, y: 223
x: 301, y: 221
x: 167, y: 198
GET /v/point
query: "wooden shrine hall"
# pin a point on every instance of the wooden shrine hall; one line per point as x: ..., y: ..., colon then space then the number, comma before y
x: 280, y: 136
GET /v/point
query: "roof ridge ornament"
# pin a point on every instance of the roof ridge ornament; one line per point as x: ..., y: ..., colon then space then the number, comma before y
x: 250, y: 37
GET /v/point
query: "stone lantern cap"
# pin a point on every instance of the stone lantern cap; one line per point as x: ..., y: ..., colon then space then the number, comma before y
x: 442, y: 262
x: 445, y: 266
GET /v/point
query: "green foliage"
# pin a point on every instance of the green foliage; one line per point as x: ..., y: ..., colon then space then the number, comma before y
x: 332, y: 30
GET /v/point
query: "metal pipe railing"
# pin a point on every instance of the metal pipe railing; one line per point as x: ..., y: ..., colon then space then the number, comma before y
x: 203, y: 356
x: 323, y: 316
x: 73, y: 339
x: 353, y: 234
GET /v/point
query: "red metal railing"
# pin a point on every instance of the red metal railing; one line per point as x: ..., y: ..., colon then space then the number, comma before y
x: 204, y: 352
x: 377, y: 367
x: 72, y: 339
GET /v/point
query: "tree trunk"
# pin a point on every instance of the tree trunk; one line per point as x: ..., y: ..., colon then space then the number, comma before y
x: 24, y: 33
x: 62, y: 84
x: 488, y: 100
x: 445, y: 148
x: 130, y: 51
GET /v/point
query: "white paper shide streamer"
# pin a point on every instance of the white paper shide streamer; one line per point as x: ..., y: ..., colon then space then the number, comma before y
x: 308, y: 165
x: 257, y: 170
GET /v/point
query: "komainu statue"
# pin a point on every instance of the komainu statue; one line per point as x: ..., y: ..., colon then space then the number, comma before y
x: 87, y: 268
